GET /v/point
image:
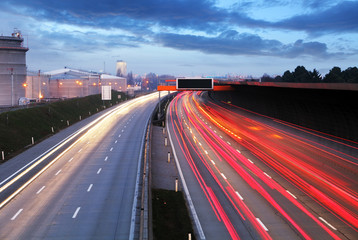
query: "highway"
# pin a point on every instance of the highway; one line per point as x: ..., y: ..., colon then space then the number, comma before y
x: 247, y: 176
x: 85, y: 184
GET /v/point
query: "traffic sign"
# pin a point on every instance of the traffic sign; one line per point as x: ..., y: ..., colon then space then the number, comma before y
x: 194, y: 83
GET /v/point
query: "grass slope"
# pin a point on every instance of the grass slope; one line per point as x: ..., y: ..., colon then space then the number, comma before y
x: 18, y: 127
x: 170, y: 215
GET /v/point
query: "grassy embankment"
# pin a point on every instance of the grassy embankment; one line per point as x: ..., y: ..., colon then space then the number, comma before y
x: 170, y: 215
x: 18, y: 127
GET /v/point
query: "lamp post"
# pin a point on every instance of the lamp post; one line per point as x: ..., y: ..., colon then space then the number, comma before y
x: 12, y: 86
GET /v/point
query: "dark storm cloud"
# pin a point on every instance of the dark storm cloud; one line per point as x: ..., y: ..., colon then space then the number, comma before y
x: 339, y: 18
x: 144, y: 19
x: 234, y: 43
x: 203, y: 15
x: 126, y: 14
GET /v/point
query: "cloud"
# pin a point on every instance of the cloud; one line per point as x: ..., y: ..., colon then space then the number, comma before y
x: 140, y: 16
x: 160, y: 21
x: 132, y: 15
x: 340, y: 18
x: 233, y: 43
x: 77, y: 41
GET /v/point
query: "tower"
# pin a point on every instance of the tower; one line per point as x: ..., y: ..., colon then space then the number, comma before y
x: 12, y: 69
x: 121, y: 68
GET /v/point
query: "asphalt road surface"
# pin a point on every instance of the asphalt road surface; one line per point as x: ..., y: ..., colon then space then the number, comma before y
x: 247, y: 176
x: 86, y: 184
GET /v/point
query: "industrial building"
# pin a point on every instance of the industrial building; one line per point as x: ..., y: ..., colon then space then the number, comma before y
x: 37, y: 85
x: 18, y: 86
x: 12, y: 69
x: 71, y: 83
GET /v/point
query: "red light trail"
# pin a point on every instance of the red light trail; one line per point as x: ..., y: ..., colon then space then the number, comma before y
x: 326, y: 176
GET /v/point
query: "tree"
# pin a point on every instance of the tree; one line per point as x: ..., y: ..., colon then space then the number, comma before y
x: 287, y: 76
x: 130, y: 79
x: 278, y: 78
x: 301, y: 74
x: 315, y: 76
x: 266, y: 78
x: 153, y: 81
x: 350, y: 75
x: 334, y: 76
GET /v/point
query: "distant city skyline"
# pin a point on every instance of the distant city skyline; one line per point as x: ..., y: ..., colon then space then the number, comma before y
x: 186, y: 38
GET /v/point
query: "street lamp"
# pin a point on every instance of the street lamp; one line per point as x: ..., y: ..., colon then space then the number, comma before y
x: 12, y: 85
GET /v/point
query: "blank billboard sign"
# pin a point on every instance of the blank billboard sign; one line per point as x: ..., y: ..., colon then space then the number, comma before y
x: 195, y: 83
x: 106, y: 93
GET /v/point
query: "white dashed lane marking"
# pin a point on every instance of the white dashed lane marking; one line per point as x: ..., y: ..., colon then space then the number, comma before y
x: 40, y: 190
x: 16, y: 214
x: 76, y: 212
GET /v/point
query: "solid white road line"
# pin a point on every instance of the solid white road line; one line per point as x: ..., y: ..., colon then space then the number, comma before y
x: 267, y: 175
x: 262, y: 225
x: 16, y: 214
x: 185, y: 187
x: 223, y: 176
x: 136, y: 189
x: 238, y: 194
x: 328, y: 224
x: 291, y: 194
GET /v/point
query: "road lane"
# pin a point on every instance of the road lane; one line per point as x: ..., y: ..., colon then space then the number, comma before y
x: 258, y: 190
x: 89, y: 191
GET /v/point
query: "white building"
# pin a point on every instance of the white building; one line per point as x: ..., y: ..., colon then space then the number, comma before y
x: 37, y: 85
x: 71, y: 83
x: 118, y: 83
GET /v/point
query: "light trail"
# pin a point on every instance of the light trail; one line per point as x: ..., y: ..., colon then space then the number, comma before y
x: 291, y: 157
x: 293, y: 165
x: 88, y: 130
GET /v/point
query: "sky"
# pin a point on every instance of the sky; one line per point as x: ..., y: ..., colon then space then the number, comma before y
x: 186, y: 37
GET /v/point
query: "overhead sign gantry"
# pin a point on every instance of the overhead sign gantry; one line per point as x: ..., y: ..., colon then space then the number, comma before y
x: 193, y: 84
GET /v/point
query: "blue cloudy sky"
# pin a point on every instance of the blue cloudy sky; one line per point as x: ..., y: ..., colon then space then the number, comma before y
x: 186, y: 37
